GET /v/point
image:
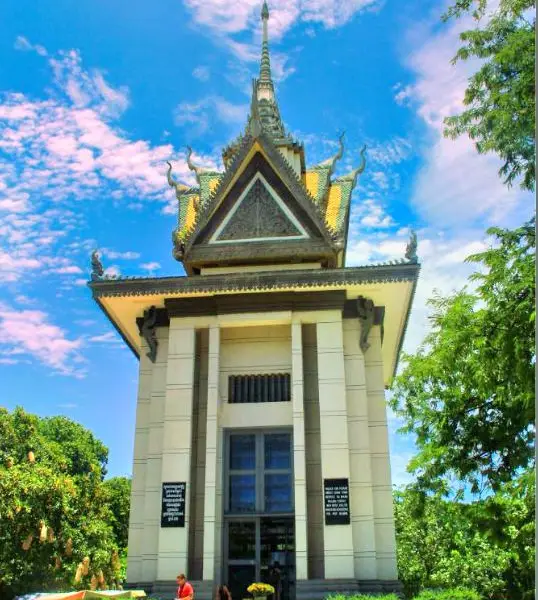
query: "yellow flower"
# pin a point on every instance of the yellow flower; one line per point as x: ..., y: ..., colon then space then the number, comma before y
x: 261, y: 589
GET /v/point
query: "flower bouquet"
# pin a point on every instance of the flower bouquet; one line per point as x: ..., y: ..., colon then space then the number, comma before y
x: 260, y: 590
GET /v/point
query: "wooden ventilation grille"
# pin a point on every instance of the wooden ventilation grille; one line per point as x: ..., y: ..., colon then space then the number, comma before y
x: 259, y: 388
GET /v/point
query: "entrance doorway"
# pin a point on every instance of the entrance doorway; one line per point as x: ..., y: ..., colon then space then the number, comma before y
x: 259, y: 536
x: 262, y: 550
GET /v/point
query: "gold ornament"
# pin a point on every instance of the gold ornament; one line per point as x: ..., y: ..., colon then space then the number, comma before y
x: 42, y: 531
x: 93, y: 583
x: 85, y: 565
x: 27, y: 542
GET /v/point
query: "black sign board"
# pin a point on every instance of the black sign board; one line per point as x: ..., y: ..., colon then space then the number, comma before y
x: 336, y: 501
x: 173, y: 505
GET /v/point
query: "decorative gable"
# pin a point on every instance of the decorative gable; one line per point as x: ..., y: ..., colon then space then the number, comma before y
x: 259, y: 214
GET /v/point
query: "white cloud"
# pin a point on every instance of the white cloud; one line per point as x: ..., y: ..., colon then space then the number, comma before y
x: 29, y: 333
x: 63, y: 148
x: 68, y: 270
x: 199, y: 116
x: 202, y: 73
x: 106, y: 338
x: 226, y: 20
x: 442, y: 265
x: 455, y: 185
x: 85, y: 322
x: 24, y: 300
x: 21, y: 43
x: 150, y: 266
x: 112, y: 254
x: 112, y: 271
x: 391, y: 152
x: 369, y: 213
x: 234, y: 17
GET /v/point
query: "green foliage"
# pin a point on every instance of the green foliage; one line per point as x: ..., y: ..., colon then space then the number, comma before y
x: 440, y: 545
x: 362, y: 597
x: 500, y: 98
x: 54, y: 508
x: 451, y: 594
x: 468, y: 393
x: 118, y: 494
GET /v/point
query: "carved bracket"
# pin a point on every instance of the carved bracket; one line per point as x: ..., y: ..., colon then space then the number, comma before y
x: 147, y: 330
x: 366, y: 314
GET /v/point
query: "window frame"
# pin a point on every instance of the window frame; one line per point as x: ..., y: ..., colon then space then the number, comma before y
x: 259, y: 473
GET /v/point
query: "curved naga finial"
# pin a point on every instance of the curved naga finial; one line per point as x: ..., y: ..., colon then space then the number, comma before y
x: 362, y: 166
x: 340, y: 152
x: 97, y: 267
x: 197, y: 170
x: 356, y: 172
x: 411, y: 248
x: 179, y: 187
x: 330, y: 162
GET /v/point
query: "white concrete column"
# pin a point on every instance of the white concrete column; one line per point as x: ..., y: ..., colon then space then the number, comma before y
x: 299, y: 462
x: 385, y: 536
x: 362, y: 502
x: 210, y: 499
x: 152, y: 489
x: 176, y: 441
x: 138, y: 484
x: 338, y: 539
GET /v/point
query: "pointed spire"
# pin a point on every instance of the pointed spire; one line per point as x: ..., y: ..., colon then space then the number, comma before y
x: 265, y: 64
x: 254, y: 124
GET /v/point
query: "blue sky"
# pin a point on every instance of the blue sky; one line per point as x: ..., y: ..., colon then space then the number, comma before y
x: 96, y: 96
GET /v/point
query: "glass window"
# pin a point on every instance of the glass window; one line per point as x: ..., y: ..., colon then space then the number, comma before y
x: 278, y: 451
x: 278, y: 492
x: 242, y: 493
x: 242, y: 452
x: 242, y: 540
x: 260, y: 473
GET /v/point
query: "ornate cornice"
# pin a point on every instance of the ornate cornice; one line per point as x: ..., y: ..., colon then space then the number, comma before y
x: 266, y: 281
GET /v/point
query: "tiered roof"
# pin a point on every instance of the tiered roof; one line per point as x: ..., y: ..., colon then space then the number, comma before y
x: 328, y: 197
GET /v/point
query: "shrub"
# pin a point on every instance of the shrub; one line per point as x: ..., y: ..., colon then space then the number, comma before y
x: 365, y: 597
x: 451, y: 594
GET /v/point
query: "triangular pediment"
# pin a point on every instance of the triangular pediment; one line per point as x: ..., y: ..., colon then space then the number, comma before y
x: 260, y: 211
x: 258, y: 215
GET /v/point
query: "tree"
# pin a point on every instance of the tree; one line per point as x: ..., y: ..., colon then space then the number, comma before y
x: 440, y: 547
x: 55, y: 521
x: 486, y: 545
x: 118, y: 493
x: 500, y: 97
x: 467, y: 395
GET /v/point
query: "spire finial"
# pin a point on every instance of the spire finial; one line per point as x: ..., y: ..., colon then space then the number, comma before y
x: 265, y: 10
x: 265, y: 64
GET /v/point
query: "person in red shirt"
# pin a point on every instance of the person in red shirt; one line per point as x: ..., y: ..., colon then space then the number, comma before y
x: 184, y: 590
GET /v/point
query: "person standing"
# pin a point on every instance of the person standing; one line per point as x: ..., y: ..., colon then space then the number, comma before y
x: 275, y: 579
x: 185, y: 590
x: 223, y: 593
